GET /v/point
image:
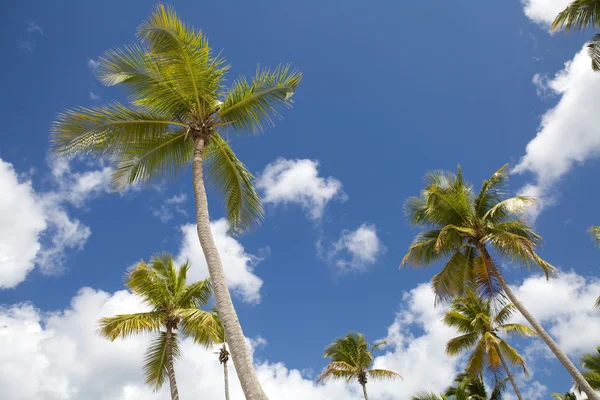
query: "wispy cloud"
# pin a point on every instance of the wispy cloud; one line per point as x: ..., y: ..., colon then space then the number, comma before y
x: 94, y: 96
x: 27, y: 42
x: 172, y: 205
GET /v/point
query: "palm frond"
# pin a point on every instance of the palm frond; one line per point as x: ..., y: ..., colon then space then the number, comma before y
x: 456, y: 278
x: 594, y: 52
x: 518, y: 329
x: 106, y: 129
x: 147, y: 283
x: 251, y: 106
x: 155, y: 361
x: 424, y: 395
x: 196, y: 294
x: 512, y: 356
x: 338, y: 370
x: 477, y: 359
x: 595, y: 232
x: 126, y: 325
x: 491, y: 191
x: 150, y: 159
x: 383, y: 374
x: 580, y: 14
x: 378, y: 345
x: 504, y: 314
x: 233, y: 180
x: 512, y: 206
x: 200, y: 325
x: 461, y: 343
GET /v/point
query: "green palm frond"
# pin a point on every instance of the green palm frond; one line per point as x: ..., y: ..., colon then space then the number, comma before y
x: 233, y: 180
x: 580, y: 14
x: 198, y: 324
x: 378, y: 345
x: 518, y: 329
x: 456, y: 278
x: 146, y: 77
x: 251, y: 106
x: 106, y: 129
x: 155, y: 361
x: 594, y: 52
x: 424, y: 395
x: 504, y: 209
x: 504, y: 314
x: 150, y: 159
x: 461, y: 343
x: 126, y: 325
x: 491, y: 191
x: 147, y: 283
x: 595, y: 232
x: 477, y: 359
x: 338, y: 370
x: 383, y: 374
x: 195, y: 294
x: 512, y: 356
x: 198, y: 74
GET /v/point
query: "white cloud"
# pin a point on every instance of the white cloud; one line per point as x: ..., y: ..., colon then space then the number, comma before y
x: 544, y: 11
x: 60, y: 357
x: 171, y: 205
x: 568, y: 134
x: 238, y: 264
x: 564, y: 305
x: 35, y: 227
x: 356, y: 250
x: 94, y: 96
x: 92, y: 64
x: 32, y: 27
x: 298, y: 181
x: 28, y: 41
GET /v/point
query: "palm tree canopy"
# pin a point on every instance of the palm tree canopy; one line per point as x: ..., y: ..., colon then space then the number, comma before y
x: 591, y: 368
x: 173, y: 304
x: 424, y: 395
x: 580, y: 14
x: 351, y: 358
x: 458, y: 224
x: 566, y: 396
x: 177, y: 93
x: 479, y: 325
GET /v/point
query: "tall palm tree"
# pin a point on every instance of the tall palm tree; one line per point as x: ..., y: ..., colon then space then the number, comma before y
x: 479, y: 326
x: 179, y: 111
x: 351, y: 358
x: 566, y: 396
x: 219, y: 337
x: 591, y: 364
x: 459, y: 225
x: 175, y: 311
x: 581, y: 14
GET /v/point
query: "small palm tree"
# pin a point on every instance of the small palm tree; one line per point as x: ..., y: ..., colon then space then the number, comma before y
x: 566, y: 396
x: 175, y: 311
x: 223, y: 353
x: 591, y: 369
x: 180, y: 110
x: 466, y: 387
x: 459, y: 225
x: 351, y: 358
x: 581, y: 14
x: 474, y: 318
x: 595, y: 232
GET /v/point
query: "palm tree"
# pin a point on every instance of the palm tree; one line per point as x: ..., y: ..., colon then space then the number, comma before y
x: 425, y: 395
x: 591, y: 364
x: 566, y: 396
x: 175, y: 311
x: 581, y: 14
x: 466, y: 387
x: 351, y: 358
x: 479, y: 325
x: 223, y: 353
x: 179, y: 111
x: 459, y: 225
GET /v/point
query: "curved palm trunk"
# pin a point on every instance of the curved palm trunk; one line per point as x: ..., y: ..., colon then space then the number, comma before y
x: 226, y: 373
x: 509, y: 375
x: 364, y: 385
x: 170, y: 367
x: 233, y: 331
x: 558, y: 353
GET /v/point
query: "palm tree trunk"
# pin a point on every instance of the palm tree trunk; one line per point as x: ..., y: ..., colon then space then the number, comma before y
x: 170, y: 368
x: 226, y: 376
x: 365, y: 391
x: 508, y: 374
x: 558, y: 353
x: 233, y: 331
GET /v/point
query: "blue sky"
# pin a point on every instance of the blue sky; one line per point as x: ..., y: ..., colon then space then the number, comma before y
x: 390, y: 91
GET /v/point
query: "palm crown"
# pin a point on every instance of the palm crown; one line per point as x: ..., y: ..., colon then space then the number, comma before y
x: 459, y: 224
x: 175, y: 310
x: 351, y: 358
x: 581, y: 14
x: 177, y: 94
x: 479, y: 325
x: 465, y: 387
x: 591, y: 364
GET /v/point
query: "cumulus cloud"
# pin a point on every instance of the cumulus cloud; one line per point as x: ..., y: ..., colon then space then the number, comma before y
x: 60, y: 356
x: 568, y: 134
x: 544, y: 11
x: 356, y: 250
x: 35, y: 227
x: 238, y: 264
x: 297, y: 181
x: 171, y: 206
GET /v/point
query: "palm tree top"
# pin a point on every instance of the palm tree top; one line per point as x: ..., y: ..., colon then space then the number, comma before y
x: 459, y: 223
x: 177, y: 95
x: 580, y: 14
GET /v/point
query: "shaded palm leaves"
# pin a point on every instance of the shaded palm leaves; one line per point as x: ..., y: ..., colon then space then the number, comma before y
x: 479, y: 326
x: 591, y: 368
x: 566, y: 396
x: 175, y: 307
x: 351, y: 358
x: 465, y: 387
x: 177, y: 93
x: 458, y: 225
x: 582, y: 14
x: 595, y: 232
